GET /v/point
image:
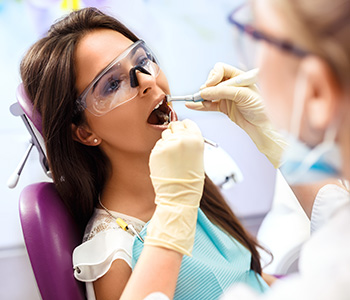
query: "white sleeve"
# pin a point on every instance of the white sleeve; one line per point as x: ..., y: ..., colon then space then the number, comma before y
x: 92, y: 259
x: 328, y: 200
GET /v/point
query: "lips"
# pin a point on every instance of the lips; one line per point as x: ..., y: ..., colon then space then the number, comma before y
x: 161, y: 114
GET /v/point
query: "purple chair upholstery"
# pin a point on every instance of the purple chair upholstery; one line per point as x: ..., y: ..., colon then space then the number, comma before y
x: 50, y: 235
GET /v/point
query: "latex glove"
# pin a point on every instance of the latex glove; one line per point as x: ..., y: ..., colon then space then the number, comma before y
x: 244, y: 106
x: 177, y: 174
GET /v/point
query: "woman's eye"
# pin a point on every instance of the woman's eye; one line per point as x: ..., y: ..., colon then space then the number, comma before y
x: 142, y: 61
x: 111, y: 86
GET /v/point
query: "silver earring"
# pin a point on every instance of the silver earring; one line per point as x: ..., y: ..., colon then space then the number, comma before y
x: 95, y: 141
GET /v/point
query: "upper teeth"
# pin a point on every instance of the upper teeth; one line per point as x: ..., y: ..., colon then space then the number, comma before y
x: 159, y: 104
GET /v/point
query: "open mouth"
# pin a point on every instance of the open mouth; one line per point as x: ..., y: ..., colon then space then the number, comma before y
x: 160, y: 114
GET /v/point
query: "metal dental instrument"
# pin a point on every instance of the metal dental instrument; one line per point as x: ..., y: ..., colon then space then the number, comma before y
x: 211, y: 143
x: 196, y: 97
x: 245, y: 79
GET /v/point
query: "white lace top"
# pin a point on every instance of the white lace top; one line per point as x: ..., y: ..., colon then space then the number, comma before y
x: 103, y: 242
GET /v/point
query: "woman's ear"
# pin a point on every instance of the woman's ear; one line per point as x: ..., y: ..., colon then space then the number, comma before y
x: 322, y: 101
x: 85, y: 136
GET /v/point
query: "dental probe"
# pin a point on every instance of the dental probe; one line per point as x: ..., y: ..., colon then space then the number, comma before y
x: 211, y: 143
x: 244, y: 79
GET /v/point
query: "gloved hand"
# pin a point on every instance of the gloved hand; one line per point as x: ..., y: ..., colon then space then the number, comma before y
x: 243, y: 105
x: 177, y: 174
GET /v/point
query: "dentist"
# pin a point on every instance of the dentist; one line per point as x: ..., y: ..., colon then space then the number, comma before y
x: 304, y: 63
x: 304, y: 75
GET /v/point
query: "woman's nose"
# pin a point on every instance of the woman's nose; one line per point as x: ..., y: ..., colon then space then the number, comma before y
x: 133, y: 77
x: 146, y: 81
x: 141, y: 77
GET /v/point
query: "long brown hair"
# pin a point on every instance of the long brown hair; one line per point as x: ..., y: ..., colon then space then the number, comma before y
x: 79, y: 171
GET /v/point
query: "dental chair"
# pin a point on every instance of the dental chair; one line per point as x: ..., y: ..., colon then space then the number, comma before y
x: 50, y: 233
x: 50, y: 236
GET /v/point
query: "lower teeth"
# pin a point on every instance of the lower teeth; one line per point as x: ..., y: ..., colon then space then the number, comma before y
x: 162, y: 117
x: 166, y: 120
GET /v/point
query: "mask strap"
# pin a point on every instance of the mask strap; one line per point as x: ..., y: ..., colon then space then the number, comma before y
x: 133, y: 78
x: 331, y: 133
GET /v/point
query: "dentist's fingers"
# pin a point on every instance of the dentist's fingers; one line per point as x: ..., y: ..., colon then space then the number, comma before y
x: 225, y: 98
x: 216, y: 93
x: 203, y: 106
x: 220, y: 92
x: 165, y: 135
x: 172, y: 127
x: 176, y: 126
x: 191, y: 126
x: 221, y: 72
x: 184, y: 127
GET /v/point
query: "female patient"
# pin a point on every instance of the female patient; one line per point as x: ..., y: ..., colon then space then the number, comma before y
x: 101, y: 95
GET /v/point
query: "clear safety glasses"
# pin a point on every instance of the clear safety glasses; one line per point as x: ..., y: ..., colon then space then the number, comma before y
x: 117, y: 83
x: 247, y: 38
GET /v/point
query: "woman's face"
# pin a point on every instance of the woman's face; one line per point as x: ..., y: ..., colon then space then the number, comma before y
x: 126, y: 128
x: 278, y: 69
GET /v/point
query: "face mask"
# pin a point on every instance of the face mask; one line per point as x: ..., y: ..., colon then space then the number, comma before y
x: 301, y: 163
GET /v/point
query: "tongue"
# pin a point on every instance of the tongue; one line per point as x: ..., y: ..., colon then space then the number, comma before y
x: 157, y: 117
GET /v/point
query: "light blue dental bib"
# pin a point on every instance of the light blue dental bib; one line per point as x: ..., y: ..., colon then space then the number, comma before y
x: 217, y: 262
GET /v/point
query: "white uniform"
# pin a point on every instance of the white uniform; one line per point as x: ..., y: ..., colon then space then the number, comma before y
x: 327, y: 202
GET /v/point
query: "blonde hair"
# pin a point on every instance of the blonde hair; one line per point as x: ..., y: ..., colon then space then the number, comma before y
x: 321, y: 27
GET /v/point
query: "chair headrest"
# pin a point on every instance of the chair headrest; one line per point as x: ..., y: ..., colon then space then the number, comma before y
x: 28, y: 108
x: 32, y: 120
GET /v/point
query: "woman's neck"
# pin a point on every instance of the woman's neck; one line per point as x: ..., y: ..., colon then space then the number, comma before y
x: 129, y: 189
